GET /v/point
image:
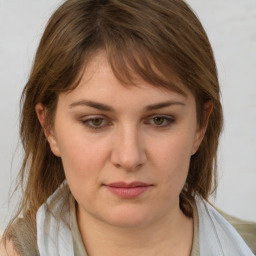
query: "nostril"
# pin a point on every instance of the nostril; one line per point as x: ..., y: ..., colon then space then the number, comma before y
x: 117, y: 165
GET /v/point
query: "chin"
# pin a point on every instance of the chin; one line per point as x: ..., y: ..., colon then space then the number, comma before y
x: 129, y: 217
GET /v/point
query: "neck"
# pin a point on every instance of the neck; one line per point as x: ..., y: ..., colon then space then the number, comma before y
x: 171, y: 235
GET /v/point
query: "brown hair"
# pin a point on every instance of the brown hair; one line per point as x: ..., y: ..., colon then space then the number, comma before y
x: 152, y: 39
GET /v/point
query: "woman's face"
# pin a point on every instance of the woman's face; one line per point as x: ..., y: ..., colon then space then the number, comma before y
x: 125, y: 149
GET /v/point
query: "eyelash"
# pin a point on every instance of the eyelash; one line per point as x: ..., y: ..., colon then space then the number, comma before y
x: 167, y: 120
x: 88, y: 123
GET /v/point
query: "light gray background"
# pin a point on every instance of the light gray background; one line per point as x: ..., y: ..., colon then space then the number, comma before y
x: 231, y: 26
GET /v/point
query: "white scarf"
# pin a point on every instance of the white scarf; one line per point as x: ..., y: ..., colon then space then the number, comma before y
x: 54, y: 237
x: 216, y: 236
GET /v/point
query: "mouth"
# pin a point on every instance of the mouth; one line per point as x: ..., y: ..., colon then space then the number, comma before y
x: 128, y: 190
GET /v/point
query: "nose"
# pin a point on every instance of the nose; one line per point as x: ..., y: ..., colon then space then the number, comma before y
x: 128, y: 151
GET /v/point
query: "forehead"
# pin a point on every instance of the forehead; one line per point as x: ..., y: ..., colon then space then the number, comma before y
x: 99, y: 84
x: 99, y: 72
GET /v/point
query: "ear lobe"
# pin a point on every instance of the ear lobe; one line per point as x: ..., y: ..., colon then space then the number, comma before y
x: 202, y: 129
x: 41, y: 115
x: 53, y: 145
x: 198, y: 139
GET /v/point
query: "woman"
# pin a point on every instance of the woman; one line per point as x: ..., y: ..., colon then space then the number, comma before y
x: 120, y: 125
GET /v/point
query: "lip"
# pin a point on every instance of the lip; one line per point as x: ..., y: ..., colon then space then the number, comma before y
x: 128, y: 190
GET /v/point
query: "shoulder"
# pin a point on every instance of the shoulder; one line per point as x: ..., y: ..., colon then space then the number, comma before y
x: 20, y: 238
x: 217, y: 233
x: 7, y: 249
x: 246, y: 229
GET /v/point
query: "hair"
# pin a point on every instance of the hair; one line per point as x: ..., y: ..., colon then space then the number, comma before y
x: 153, y: 39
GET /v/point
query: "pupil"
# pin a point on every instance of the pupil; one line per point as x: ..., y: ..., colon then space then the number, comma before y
x: 158, y: 120
x: 97, y: 121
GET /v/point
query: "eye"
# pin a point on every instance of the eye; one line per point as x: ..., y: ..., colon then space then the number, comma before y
x: 95, y: 123
x: 160, y: 121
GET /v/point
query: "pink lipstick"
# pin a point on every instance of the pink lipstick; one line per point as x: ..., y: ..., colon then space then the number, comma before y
x: 128, y: 190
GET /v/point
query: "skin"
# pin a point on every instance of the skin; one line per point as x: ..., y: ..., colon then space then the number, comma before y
x: 7, y: 249
x: 133, y: 139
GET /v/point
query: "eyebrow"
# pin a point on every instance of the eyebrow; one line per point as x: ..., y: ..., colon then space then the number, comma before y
x: 105, y: 107
x: 163, y: 105
x: 92, y: 104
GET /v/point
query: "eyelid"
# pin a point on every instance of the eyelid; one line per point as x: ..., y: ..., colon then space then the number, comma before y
x: 86, y: 122
x: 170, y: 119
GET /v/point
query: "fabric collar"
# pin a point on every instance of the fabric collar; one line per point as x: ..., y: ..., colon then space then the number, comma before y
x: 53, y: 234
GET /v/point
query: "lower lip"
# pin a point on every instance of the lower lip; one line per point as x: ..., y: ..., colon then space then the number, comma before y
x: 129, y: 192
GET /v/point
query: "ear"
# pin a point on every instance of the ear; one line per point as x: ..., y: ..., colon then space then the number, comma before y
x: 201, y: 129
x: 41, y: 112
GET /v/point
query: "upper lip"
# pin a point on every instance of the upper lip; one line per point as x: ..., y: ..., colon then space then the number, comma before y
x: 122, y: 184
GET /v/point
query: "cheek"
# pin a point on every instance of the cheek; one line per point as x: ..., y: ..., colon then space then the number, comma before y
x: 82, y: 160
x: 172, y: 159
x: 83, y: 164
x: 173, y: 150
